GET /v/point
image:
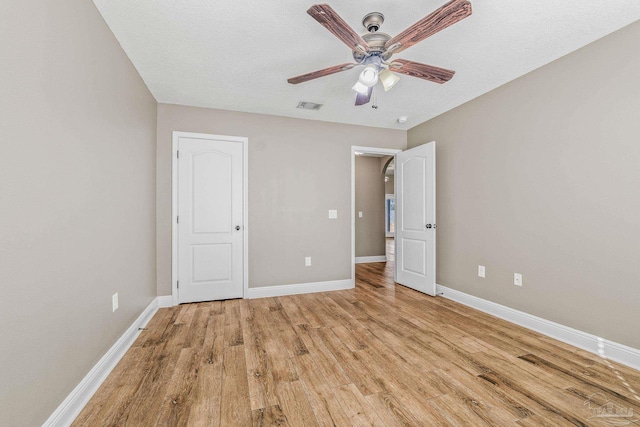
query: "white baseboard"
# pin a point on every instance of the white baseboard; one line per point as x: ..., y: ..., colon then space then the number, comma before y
x: 608, y: 349
x: 165, y: 301
x: 366, y: 259
x: 71, y: 406
x: 301, y: 288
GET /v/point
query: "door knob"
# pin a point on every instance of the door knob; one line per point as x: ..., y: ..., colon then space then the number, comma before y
x: 237, y: 228
x: 428, y: 225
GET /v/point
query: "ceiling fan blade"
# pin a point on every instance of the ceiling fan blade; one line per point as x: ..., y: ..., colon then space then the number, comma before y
x: 422, y: 71
x: 334, y: 23
x: 364, y: 99
x: 438, y: 20
x: 320, y: 73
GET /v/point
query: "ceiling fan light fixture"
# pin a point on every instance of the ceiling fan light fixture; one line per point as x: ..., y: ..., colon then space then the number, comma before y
x: 360, y: 88
x: 388, y: 79
x: 369, y: 76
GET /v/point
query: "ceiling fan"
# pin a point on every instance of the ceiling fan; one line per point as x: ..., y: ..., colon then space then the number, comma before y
x: 374, y: 49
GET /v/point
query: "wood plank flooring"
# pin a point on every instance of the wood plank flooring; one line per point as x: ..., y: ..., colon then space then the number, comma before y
x: 378, y: 355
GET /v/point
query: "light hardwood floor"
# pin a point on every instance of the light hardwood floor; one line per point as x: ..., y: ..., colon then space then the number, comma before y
x: 380, y: 354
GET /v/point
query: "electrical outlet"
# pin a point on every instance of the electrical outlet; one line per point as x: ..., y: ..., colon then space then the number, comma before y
x: 333, y: 214
x: 517, y: 279
x: 360, y: 214
x: 114, y: 301
x: 481, y: 271
x: 307, y: 261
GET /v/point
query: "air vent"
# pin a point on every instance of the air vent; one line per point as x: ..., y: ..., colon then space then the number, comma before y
x: 309, y: 106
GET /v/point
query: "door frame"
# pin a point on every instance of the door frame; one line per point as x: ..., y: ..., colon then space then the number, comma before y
x: 365, y: 150
x: 174, y: 206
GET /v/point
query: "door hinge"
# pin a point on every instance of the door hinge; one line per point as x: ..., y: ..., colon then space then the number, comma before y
x: 177, y: 154
x: 177, y: 220
x: 178, y: 284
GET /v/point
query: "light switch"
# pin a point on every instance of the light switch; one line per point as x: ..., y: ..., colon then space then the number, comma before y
x: 333, y: 214
x: 481, y: 271
x: 360, y: 214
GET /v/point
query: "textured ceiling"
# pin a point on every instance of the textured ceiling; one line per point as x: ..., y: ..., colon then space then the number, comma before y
x: 237, y: 55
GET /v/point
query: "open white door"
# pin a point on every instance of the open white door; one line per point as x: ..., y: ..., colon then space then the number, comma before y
x: 415, y: 240
x: 210, y: 225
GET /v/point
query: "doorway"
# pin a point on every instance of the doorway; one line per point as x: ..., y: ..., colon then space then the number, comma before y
x: 210, y: 217
x: 378, y: 159
x: 414, y: 227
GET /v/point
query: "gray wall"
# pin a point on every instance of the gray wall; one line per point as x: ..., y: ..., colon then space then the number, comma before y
x: 541, y: 177
x: 370, y: 237
x: 298, y: 170
x: 389, y: 185
x: 77, y: 196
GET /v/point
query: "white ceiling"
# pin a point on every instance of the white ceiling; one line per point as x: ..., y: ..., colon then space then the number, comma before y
x: 237, y: 55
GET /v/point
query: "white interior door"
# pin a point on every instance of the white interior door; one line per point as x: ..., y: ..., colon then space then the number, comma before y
x: 415, y: 238
x: 210, y: 219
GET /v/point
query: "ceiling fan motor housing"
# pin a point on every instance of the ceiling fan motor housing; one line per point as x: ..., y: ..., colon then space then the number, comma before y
x: 376, y: 42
